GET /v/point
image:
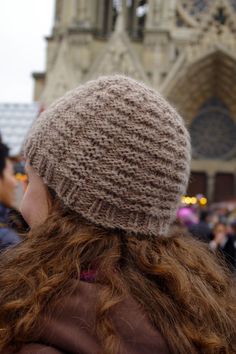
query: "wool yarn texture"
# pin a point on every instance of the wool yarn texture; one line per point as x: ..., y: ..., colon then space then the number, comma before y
x: 116, y: 152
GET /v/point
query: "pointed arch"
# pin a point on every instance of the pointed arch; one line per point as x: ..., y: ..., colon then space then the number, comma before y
x: 190, y: 84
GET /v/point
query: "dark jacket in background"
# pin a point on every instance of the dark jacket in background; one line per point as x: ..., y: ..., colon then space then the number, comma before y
x: 70, y: 327
x: 200, y: 231
x: 8, y: 237
x: 229, y: 252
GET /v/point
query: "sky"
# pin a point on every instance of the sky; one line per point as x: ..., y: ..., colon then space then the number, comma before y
x: 23, y: 27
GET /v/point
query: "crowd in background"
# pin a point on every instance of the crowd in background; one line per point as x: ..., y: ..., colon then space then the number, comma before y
x: 215, y: 225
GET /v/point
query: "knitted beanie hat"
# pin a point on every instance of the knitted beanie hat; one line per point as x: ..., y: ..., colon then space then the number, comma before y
x: 114, y: 151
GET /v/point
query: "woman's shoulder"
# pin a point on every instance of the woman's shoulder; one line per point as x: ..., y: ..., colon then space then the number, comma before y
x: 71, y: 323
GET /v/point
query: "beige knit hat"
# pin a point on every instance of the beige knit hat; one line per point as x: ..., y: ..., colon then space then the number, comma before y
x: 114, y: 151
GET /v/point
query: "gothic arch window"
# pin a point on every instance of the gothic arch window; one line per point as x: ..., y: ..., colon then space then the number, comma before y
x: 135, y: 18
x: 107, y: 11
x: 213, y: 131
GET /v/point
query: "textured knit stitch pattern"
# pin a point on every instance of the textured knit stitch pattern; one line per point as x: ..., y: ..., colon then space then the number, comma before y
x: 114, y: 151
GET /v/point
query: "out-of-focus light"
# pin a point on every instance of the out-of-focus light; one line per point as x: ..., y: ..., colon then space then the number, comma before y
x: 203, y: 201
x: 20, y: 177
x: 188, y: 200
x: 193, y: 200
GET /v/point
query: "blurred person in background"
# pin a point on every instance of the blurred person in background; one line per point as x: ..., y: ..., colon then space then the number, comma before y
x: 213, y: 219
x: 99, y: 271
x: 232, y: 231
x: 186, y: 217
x: 224, y: 243
x: 8, y: 185
x: 201, y: 230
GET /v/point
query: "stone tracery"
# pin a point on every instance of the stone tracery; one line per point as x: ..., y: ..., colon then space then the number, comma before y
x: 213, y: 131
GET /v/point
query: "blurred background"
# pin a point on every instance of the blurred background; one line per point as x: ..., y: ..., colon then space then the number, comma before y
x: 186, y: 49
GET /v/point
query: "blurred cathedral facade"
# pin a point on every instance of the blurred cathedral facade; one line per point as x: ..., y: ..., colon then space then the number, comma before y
x: 186, y: 49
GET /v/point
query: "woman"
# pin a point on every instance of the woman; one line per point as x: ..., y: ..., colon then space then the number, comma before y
x: 223, y: 243
x: 8, y: 185
x: 98, y: 272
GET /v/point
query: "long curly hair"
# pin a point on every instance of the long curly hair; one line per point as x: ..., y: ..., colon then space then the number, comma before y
x: 189, y: 297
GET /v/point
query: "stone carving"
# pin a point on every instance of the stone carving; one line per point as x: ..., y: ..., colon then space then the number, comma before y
x: 195, y: 8
x: 118, y: 56
x: 217, y: 29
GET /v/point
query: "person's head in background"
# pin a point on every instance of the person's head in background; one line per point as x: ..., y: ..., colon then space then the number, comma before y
x: 8, y: 182
x: 213, y: 219
x: 204, y: 216
x: 220, y: 235
x: 220, y: 229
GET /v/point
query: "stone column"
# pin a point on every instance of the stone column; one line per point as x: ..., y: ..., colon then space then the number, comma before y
x: 161, y: 56
x: 99, y: 22
x: 84, y: 13
x: 155, y: 8
x: 134, y: 20
x: 58, y: 12
x: 109, y: 19
x: 210, y: 186
x: 68, y: 8
x: 92, y: 12
x: 161, y: 13
x: 168, y: 15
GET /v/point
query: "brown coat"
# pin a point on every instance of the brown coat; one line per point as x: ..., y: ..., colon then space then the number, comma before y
x: 69, y: 329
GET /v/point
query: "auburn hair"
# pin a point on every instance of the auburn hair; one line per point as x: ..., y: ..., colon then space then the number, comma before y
x: 189, y: 297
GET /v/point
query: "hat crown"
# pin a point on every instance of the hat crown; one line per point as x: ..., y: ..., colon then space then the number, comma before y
x: 116, y: 152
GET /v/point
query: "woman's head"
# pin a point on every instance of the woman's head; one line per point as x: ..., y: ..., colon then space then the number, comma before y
x: 114, y: 151
x: 116, y: 156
